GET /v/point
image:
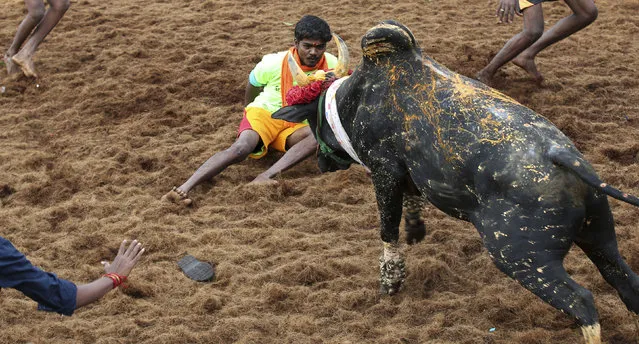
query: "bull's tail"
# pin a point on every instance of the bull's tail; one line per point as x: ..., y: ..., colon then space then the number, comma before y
x: 578, y: 166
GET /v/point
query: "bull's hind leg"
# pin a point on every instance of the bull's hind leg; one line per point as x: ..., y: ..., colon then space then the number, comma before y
x: 550, y: 282
x: 413, y: 220
x: 530, y: 247
x: 598, y: 241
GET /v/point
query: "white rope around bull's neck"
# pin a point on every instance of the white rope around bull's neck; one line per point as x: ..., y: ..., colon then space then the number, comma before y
x: 334, y: 122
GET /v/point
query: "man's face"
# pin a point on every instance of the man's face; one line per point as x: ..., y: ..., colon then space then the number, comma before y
x: 310, y: 51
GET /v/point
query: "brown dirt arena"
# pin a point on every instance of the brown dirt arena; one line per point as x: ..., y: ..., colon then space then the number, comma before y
x: 134, y: 95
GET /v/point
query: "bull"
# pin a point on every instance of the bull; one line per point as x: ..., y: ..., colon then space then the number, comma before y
x: 424, y: 131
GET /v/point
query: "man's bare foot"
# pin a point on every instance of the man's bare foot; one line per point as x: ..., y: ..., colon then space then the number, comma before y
x: 529, y: 66
x: 26, y: 64
x: 12, y: 68
x: 262, y: 180
x: 485, y: 77
x: 177, y: 196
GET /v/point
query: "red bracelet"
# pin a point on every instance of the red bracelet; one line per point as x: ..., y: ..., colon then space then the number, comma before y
x: 117, y: 279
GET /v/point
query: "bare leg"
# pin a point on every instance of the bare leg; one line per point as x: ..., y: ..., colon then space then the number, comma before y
x: 24, y: 58
x: 584, y: 13
x: 11, y: 67
x: 533, y: 30
x: 35, y: 12
x: 302, y: 145
x: 239, y: 151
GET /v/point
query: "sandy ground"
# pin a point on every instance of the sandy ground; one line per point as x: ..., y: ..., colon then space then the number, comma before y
x: 134, y: 95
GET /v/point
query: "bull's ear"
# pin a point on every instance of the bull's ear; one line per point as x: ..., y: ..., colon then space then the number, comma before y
x: 296, y: 113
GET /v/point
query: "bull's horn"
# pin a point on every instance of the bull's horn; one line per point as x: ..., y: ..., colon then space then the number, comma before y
x: 343, y: 58
x: 296, y: 71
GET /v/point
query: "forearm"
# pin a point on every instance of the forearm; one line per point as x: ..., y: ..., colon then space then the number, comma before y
x: 116, y: 274
x: 251, y: 93
x: 93, y: 291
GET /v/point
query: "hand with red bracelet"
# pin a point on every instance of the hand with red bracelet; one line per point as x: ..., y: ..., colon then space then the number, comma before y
x: 125, y: 260
x: 116, y: 273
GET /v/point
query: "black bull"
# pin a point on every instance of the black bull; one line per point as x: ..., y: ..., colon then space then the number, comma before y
x: 480, y: 156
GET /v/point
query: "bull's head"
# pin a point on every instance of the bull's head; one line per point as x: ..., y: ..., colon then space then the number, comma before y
x: 387, y: 38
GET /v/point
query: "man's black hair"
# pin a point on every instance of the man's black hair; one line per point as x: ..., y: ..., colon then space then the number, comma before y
x: 312, y: 27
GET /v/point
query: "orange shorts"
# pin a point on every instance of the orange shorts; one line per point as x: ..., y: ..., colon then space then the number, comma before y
x: 273, y: 132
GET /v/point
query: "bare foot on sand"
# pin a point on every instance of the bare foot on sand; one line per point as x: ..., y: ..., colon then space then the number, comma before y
x: 12, y: 68
x: 485, y: 77
x: 262, y: 180
x: 26, y: 64
x: 529, y: 66
x: 177, y: 196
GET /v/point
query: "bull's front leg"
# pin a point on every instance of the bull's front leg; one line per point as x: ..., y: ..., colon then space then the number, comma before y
x: 388, y: 190
x: 392, y: 269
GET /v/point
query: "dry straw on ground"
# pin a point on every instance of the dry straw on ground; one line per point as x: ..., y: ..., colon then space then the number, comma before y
x: 134, y: 95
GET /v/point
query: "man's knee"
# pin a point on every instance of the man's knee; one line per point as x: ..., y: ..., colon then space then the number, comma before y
x: 297, y: 136
x: 590, y: 14
x: 240, y: 150
x: 532, y: 34
x: 60, y: 5
x: 36, y: 13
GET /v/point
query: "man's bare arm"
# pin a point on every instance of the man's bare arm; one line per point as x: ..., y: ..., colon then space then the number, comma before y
x: 122, y: 265
x: 251, y: 93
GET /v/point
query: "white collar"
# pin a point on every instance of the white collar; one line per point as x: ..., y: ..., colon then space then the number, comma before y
x: 334, y: 122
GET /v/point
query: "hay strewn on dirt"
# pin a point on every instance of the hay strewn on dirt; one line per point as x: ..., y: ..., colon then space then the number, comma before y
x: 134, y: 95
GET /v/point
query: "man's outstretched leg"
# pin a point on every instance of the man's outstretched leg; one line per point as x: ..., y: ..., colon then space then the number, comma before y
x: 238, y: 152
x: 533, y: 30
x: 35, y: 12
x: 24, y: 58
x: 302, y: 145
x: 584, y: 13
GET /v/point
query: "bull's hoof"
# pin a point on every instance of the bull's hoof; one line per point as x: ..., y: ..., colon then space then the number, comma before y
x: 592, y: 333
x: 392, y: 275
x: 385, y: 290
